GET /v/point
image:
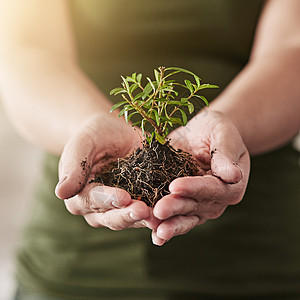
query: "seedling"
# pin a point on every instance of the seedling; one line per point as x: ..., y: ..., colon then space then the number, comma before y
x: 148, y: 171
x: 158, y: 102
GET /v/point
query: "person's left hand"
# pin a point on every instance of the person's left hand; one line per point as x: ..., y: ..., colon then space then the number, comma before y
x: 224, y: 170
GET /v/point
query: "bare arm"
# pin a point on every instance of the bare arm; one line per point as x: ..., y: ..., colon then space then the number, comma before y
x: 262, y: 102
x: 264, y: 99
x: 45, y: 93
x: 53, y: 104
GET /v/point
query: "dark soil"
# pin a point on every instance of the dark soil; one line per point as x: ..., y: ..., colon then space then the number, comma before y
x: 147, y: 173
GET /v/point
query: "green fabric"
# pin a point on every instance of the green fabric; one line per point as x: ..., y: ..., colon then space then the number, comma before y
x: 251, y: 252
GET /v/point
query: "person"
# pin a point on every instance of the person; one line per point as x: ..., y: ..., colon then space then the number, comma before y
x: 59, y: 59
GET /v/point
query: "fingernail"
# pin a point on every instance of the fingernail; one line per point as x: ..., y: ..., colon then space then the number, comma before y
x: 115, y: 204
x: 103, y: 197
x: 134, y: 217
x: 158, y: 241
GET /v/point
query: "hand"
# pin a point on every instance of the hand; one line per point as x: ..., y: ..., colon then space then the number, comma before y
x: 224, y: 164
x: 101, y: 139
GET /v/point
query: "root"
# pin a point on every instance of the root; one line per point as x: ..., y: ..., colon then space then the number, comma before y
x: 147, y: 173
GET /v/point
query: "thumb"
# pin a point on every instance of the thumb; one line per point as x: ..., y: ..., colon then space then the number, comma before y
x: 74, y: 167
x: 225, y: 168
x: 226, y: 152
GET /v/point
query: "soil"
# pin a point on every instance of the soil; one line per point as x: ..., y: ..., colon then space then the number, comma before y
x: 148, y: 171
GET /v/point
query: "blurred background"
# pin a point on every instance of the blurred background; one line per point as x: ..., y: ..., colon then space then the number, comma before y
x: 19, y: 167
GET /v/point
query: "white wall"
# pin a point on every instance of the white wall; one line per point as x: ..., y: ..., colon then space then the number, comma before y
x: 19, y: 166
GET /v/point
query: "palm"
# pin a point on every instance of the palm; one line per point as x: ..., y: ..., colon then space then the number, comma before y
x: 86, y: 153
x: 223, y: 160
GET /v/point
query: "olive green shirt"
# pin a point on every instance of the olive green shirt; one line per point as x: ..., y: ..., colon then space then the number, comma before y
x: 251, y: 252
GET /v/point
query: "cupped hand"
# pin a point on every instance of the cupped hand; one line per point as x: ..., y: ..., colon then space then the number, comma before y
x: 101, y: 139
x: 224, y: 167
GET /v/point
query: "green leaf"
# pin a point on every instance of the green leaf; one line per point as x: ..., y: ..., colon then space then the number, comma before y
x: 198, y: 80
x: 117, y: 105
x: 157, y: 76
x: 126, y: 83
x: 160, y: 138
x: 117, y: 91
x: 121, y: 113
x: 180, y: 70
x: 126, y: 116
x: 147, y: 91
x: 148, y: 138
x: 133, y: 87
x: 128, y: 107
x: 166, y: 112
x: 136, y: 123
x: 175, y: 102
x: 136, y: 112
x: 156, y: 117
x: 152, y: 84
x: 191, y: 107
x: 138, y: 96
x: 152, y: 136
x: 169, y: 82
x: 164, y: 119
x: 176, y: 121
x: 143, y: 126
x: 170, y: 90
x: 203, y: 99
x: 189, y: 85
x: 184, y: 117
x: 139, y: 78
x: 147, y: 105
x: 183, y: 100
x: 129, y: 79
x: 162, y: 100
x: 207, y: 86
x: 171, y: 74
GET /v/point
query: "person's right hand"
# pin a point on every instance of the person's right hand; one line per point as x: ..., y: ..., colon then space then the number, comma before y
x: 101, y: 139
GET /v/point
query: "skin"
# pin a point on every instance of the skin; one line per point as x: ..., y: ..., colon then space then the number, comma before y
x: 258, y: 112
x: 225, y: 164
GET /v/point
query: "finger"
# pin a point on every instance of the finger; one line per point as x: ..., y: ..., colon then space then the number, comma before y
x: 119, y: 219
x: 225, y: 168
x: 105, y: 197
x: 201, y: 188
x: 156, y: 240
x: 97, y: 199
x: 74, y: 166
x: 177, y: 226
x: 152, y: 222
x: 172, y: 205
x: 226, y: 150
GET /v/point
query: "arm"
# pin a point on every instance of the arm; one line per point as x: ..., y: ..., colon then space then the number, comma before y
x: 45, y: 93
x: 259, y: 109
x: 264, y: 99
x: 54, y: 105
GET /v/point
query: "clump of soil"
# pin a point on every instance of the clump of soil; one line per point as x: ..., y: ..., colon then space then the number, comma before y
x: 147, y: 173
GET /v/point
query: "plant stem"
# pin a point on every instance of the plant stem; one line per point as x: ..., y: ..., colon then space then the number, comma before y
x: 189, y: 97
x: 144, y: 115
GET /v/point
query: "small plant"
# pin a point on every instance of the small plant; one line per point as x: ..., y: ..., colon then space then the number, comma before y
x: 147, y: 172
x: 158, y: 102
